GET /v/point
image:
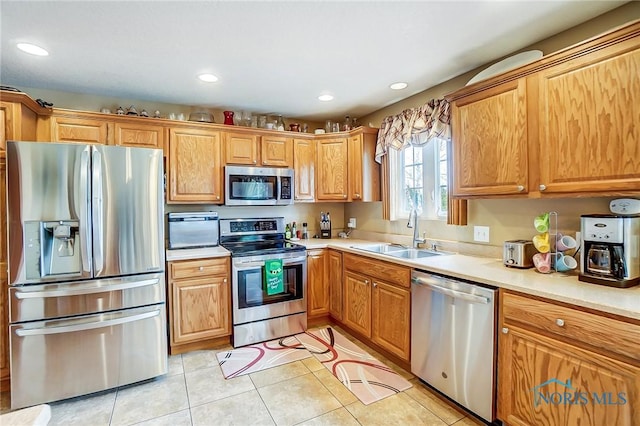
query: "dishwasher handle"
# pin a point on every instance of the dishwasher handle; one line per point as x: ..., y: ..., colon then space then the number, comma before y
x: 422, y: 281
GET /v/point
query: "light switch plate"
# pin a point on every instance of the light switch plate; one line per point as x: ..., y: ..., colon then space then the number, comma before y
x: 481, y: 234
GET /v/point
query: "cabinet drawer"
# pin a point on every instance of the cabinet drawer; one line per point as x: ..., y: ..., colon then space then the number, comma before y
x: 609, y: 334
x: 395, y: 274
x: 198, y: 268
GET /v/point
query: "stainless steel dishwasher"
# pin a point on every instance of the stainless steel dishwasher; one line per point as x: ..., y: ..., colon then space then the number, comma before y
x: 452, y: 339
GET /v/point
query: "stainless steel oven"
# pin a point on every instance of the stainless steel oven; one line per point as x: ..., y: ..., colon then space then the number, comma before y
x: 257, y: 315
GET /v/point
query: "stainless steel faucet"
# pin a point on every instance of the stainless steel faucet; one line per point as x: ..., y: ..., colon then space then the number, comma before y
x: 416, y: 234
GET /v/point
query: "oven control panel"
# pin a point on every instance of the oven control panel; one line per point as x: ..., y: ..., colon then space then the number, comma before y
x: 273, y: 225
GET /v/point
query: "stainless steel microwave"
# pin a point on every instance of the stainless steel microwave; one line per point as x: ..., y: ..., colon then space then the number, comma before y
x: 258, y: 186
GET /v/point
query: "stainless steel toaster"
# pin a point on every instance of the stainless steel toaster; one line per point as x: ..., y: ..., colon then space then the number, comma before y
x: 518, y: 253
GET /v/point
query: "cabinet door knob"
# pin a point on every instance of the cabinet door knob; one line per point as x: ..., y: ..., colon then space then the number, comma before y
x: 217, y: 197
x: 366, y: 282
x: 520, y: 188
x: 560, y: 322
x: 505, y: 330
x: 344, y: 196
x: 356, y: 195
x: 254, y: 161
x: 201, y: 268
x: 375, y: 284
x: 542, y: 187
x: 224, y: 280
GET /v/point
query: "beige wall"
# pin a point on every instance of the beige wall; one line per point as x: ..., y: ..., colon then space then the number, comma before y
x: 507, y: 219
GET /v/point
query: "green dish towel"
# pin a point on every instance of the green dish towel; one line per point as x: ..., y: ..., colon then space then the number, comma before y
x: 273, y: 276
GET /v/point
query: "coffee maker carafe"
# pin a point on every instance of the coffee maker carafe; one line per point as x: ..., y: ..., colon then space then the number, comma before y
x: 610, y: 250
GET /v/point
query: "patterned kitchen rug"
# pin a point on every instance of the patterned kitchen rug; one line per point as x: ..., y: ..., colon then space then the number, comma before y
x: 368, y: 379
x: 261, y: 356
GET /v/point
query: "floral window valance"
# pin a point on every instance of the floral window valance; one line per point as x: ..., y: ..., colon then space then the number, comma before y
x: 415, y: 126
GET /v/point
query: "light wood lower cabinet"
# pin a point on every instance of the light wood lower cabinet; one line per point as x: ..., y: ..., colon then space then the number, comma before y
x: 335, y: 284
x: 199, y: 302
x: 317, y: 286
x: 377, y: 303
x: 561, y: 366
x: 195, y: 166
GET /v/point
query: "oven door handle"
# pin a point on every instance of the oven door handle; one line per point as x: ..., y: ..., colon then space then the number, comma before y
x: 241, y: 266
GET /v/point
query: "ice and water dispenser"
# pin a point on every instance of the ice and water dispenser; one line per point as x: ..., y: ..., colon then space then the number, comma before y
x: 52, y: 248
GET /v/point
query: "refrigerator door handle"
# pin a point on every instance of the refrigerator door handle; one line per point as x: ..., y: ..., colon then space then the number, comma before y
x: 85, y: 219
x: 81, y: 290
x: 85, y: 326
x: 97, y: 211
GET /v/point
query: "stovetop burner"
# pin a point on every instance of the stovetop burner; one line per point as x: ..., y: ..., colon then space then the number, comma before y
x: 255, y: 248
x: 255, y: 237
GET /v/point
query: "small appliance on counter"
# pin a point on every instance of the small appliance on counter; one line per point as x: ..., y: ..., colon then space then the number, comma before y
x: 193, y: 230
x: 611, y: 246
x: 518, y: 254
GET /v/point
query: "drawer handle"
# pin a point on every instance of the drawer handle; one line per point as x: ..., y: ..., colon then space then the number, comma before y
x: 560, y: 322
x: 505, y: 330
x: 520, y: 188
x: 542, y: 187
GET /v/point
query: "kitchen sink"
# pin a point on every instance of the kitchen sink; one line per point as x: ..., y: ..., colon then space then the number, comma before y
x: 399, y: 251
x: 381, y: 248
x: 416, y: 253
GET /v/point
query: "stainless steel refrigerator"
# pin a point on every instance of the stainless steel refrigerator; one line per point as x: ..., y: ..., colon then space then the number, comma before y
x: 86, y: 269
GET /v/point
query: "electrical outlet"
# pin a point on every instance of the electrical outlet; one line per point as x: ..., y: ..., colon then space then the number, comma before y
x: 481, y: 234
x: 352, y: 222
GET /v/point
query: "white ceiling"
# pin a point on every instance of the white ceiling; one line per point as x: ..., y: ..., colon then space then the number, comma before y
x: 270, y: 56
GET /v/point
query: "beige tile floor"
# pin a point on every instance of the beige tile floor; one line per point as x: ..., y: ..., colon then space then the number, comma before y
x: 195, y: 393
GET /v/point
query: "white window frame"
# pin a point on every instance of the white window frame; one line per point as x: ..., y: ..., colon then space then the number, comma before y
x: 434, y: 181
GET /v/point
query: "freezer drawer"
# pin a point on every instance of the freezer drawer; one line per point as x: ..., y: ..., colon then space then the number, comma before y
x: 58, y: 359
x: 48, y: 301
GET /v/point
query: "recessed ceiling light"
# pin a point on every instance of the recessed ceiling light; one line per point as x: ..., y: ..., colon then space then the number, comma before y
x: 325, y: 98
x: 32, y: 49
x: 208, y: 78
x: 398, y: 86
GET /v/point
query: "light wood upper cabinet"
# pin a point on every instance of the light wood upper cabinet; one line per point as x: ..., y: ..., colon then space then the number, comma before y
x: 565, y: 125
x: 241, y: 148
x: 199, y: 301
x: 331, y: 170
x: 588, y: 120
x: 364, y: 172
x: 17, y: 121
x: 335, y: 284
x: 139, y: 135
x: 276, y: 151
x: 317, y: 285
x: 547, y: 349
x: 195, y: 166
x: 304, y: 166
x: 489, y: 132
x: 79, y: 130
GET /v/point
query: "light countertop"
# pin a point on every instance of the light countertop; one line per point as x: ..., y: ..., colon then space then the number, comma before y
x: 196, y: 253
x: 563, y: 287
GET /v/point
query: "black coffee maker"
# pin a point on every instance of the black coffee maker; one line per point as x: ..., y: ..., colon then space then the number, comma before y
x: 610, y: 250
